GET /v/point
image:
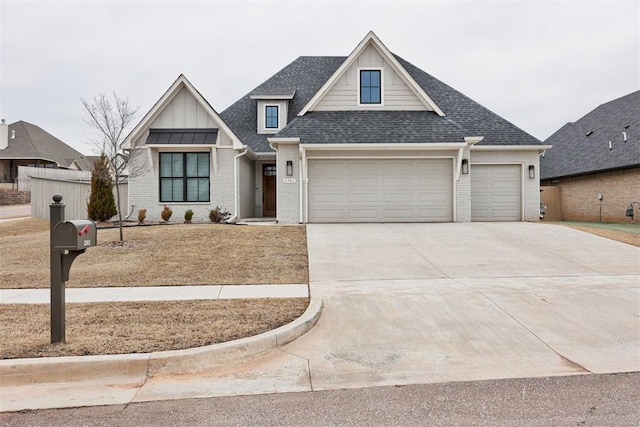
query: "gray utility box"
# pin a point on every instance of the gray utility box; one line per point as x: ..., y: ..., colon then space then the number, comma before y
x: 75, y: 235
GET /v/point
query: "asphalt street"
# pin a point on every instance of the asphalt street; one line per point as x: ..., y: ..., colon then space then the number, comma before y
x: 559, y: 401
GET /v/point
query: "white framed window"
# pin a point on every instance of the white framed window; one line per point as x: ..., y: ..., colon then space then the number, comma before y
x: 271, y: 115
x: 370, y: 87
x: 184, y: 177
x: 271, y: 119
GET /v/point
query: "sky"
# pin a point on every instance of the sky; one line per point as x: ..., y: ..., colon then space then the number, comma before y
x: 538, y: 64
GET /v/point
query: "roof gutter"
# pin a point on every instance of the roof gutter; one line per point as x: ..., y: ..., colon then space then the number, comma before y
x: 386, y: 146
x: 539, y: 148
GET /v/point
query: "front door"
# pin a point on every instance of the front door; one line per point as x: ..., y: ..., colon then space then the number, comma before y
x: 268, y: 190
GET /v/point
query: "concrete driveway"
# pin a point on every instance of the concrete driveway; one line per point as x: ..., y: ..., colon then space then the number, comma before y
x: 419, y: 303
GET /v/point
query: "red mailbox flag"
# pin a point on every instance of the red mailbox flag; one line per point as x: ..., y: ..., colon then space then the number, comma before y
x: 84, y: 229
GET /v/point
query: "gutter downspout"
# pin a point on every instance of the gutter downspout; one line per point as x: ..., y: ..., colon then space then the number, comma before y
x: 236, y: 178
x: 303, y: 158
x: 459, y: 163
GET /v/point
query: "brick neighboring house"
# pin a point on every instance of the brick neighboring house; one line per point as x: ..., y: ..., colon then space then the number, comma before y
x: 25, y: 144
x: 595, y: 162
x: 367, y: 137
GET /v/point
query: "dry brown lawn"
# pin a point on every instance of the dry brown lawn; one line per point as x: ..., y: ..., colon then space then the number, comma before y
x: 135, y: 327
x: 620, y: 236
x: 182, y: 254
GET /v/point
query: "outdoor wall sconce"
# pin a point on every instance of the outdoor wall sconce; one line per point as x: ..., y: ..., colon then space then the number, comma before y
x: 465, y: 166
x: 289, y: 167
x: 532, y: 172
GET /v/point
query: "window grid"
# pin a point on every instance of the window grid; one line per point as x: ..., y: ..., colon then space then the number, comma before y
x: 271, y: 117
x: 184, y: 177
x: 370, y: 87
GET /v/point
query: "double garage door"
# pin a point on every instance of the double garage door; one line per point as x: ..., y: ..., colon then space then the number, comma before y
x: 374, y: 190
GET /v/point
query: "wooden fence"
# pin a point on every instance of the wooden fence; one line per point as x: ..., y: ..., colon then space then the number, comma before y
x: 550, y: 197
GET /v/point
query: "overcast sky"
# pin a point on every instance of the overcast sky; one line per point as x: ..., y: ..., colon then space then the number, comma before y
x: 538, y: 64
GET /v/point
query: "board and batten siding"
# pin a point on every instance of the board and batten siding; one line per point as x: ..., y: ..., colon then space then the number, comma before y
x: 183, y: 112
x: 344, y: 93
x: 75, y: 196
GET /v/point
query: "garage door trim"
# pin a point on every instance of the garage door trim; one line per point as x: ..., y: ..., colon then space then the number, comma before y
x: 522, y: 180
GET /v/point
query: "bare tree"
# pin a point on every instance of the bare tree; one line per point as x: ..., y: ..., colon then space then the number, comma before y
x: 111, y: 122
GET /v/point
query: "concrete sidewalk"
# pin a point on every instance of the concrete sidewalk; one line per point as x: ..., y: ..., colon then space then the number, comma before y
x: 155, y: 293
x: 15, y: 211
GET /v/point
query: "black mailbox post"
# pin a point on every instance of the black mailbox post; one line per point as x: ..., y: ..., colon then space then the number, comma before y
x: 68, y: 239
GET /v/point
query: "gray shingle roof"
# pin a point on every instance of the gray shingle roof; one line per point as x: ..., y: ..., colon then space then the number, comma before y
x: 357, y: 127
x: 182, y: 136
x: 32, y: 142
x: 473, y: 117
x: 306, y: 75
x: 464, y: 117
x: 575, y: 153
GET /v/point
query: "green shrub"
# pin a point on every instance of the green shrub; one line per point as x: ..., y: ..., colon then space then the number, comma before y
x: 102, y: 204
x: 218, y: 215
x: 188, y: 215
x: 166, y: 213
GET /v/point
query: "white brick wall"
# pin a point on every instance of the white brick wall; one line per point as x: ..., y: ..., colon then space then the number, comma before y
x: 463, y: 195
x: 144, y: 188
x: 222, y: 182
x: 288, y: 195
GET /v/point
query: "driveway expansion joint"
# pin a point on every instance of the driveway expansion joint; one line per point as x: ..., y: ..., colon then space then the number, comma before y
x: 495, y: 304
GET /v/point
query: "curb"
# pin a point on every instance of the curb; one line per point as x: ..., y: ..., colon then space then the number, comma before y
x: 138, y: 367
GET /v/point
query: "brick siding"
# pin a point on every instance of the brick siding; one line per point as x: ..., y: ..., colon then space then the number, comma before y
x: 13, y: 197
x: 580, y: 195
x: 288, y: 195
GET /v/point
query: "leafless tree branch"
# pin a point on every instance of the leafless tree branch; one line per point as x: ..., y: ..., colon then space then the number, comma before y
x: 111, y: 125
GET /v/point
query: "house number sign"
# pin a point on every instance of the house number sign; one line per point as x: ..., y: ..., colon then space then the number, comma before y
x: 289, y: 180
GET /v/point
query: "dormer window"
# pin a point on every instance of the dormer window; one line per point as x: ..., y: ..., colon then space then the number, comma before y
x: 272, y: 109
x: 271, y: 117
x: 370, y: 92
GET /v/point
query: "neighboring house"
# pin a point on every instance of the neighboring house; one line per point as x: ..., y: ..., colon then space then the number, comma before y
x: 25, y: 144
x: 595, y: 162
x: 363, y: 138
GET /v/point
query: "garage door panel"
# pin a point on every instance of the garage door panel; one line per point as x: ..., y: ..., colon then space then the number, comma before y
x: 406, y: 190
x: 496, y: 193
x: 356, y: 214
x: 363, y: 197
x: 398, y: 197
x: 328, y: 198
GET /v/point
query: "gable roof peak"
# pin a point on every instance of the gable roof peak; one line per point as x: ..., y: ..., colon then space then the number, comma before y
x: 180, y: 83
x: 372, y: 39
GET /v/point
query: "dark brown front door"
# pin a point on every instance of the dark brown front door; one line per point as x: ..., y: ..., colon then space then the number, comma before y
x: 269, y: 190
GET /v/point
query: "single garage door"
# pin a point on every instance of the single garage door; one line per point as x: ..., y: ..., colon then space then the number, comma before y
x: 496, y: 193
x: 391, y: 190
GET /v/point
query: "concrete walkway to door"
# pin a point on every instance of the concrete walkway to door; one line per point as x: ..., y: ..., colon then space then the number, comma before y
x: 421, y: 303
